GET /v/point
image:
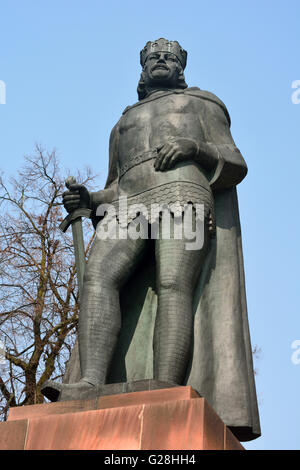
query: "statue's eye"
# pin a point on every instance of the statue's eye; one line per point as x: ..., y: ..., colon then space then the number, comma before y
x: 171, y: 57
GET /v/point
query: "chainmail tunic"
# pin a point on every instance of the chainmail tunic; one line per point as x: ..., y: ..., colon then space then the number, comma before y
x: 174, y: 196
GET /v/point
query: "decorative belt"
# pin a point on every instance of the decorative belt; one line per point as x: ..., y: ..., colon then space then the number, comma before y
x: 137, y: 160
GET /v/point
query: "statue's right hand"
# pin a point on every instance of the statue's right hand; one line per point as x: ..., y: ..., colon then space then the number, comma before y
x: 76, y: 197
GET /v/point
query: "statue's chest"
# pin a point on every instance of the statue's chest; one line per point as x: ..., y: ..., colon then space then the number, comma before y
x: 172, y: 111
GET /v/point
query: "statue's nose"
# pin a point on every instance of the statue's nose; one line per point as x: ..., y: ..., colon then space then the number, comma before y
x: 161, y: 58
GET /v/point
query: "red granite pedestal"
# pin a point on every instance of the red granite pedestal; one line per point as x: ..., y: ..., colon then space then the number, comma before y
x: 166, y: 419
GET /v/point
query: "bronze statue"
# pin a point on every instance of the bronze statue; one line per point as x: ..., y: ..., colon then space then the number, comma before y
x: 173, y: 146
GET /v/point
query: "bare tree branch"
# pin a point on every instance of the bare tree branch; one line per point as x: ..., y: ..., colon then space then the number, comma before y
x: 39, y: 293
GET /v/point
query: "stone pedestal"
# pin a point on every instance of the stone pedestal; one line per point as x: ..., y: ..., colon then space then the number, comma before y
x: 165, y: 419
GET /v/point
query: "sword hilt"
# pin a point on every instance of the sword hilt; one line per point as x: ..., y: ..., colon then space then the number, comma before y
x: 80, y: 212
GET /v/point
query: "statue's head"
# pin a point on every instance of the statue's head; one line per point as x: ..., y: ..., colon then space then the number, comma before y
x: 163, y: 64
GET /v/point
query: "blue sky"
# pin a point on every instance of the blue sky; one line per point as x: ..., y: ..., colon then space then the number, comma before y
x: 72, y: 66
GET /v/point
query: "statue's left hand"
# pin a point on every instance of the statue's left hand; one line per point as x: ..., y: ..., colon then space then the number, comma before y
x: 174, y: 151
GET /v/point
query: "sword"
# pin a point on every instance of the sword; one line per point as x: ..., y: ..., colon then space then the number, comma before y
x: 74, y: 219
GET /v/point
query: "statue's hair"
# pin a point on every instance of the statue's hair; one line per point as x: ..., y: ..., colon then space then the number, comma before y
x: 141, y: 89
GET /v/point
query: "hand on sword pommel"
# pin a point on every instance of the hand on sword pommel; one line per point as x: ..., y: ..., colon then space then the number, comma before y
x: 76, y: 197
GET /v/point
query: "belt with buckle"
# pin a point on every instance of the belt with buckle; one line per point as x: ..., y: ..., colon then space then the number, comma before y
x: 137, y: 160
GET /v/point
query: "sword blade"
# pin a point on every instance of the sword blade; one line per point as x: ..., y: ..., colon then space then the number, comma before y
x: 79, y: 252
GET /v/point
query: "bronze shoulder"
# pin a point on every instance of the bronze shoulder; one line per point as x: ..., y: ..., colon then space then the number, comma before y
x: 207, y: 95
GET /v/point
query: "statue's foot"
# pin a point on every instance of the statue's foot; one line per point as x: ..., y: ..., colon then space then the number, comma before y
x: 56, y: 391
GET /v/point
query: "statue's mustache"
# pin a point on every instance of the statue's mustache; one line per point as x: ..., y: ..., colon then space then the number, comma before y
x: 158, y: 66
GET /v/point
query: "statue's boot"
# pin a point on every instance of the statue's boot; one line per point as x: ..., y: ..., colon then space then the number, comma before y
x: 56, y: 391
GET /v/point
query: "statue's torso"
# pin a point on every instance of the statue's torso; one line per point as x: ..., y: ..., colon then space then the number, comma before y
x: 149, y: 125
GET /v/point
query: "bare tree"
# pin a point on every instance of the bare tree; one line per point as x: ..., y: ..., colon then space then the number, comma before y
x: 39, y: 295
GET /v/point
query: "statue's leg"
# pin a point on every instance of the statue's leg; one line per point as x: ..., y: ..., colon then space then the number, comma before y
x: 177, y: 271
x: 110, y: 264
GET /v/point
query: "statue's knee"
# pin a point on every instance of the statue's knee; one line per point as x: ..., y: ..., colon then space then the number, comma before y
x: 169, y: 282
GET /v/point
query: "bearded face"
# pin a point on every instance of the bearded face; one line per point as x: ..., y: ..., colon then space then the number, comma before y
x: 162, y: 69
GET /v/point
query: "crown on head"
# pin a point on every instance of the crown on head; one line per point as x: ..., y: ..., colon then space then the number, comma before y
x: 163, y: 45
